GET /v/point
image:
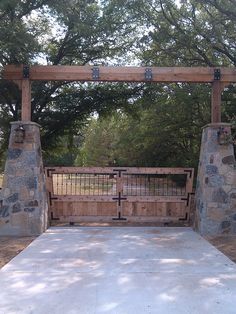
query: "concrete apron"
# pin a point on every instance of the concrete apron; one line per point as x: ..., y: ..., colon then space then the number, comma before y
x: 119, y: 270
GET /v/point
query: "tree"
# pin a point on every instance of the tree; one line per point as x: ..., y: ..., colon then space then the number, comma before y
x: 72, y: 32
x: 163, y: 132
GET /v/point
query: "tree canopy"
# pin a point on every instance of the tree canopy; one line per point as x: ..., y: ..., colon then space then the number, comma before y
x: 155, y: 124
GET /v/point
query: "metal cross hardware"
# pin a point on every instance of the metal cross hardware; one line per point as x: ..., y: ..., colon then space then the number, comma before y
x: 120, y: 171
x: 119, y: 217
x: 119, y: 199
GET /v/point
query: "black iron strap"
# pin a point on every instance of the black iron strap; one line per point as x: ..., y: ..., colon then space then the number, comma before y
x: 26, y: 71
x: 148, y: 74
x: 95, y: 73
x: 119, y: 199
x: 217, y: 75
x: 120, y: 171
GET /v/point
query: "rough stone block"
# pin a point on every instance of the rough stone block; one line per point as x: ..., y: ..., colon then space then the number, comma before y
x: 228, y: 160
x: 20, y: 220
x: 24, y: 193
x: 216, y: 188
x: 216, y: 180
x: 13, y: 198
x: 24, y: 203
x: 215, y: 214
x: 16, y: 207
x: 211, y: 169
x: 14, y: 153
x: 220, y: 196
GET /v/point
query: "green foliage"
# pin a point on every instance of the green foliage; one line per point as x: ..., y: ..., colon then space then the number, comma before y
x: 146, y: 125
x: 165, y: 132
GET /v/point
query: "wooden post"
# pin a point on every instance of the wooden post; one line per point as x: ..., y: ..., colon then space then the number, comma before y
x: 216, y: 102
x: 26, y: 100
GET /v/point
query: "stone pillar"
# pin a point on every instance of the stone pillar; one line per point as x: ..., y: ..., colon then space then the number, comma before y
x: 216, y: 184
x: 23, y: 208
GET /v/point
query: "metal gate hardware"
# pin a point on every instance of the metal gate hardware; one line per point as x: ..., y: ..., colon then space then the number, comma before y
x: 119, y: 217
x: 189, y: 171
x: 49, y: 170
x: 120, y: 171
x: 95, y: 73
x: 119, y: 198
x: 26, y: 71
x: 53, y: 218
x: 148, y: 74
x: 217, y: 75
x: 187, y: 198
x: 51, y: 198
x: 185, y: 218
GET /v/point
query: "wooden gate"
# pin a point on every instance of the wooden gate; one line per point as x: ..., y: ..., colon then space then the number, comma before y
x: 78, y: 194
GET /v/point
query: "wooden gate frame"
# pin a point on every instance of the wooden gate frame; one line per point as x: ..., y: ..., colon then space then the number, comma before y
x: 120, y: 197
x: 23, y: 75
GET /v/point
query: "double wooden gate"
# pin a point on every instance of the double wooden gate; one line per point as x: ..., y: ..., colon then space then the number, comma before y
x: 79, y: 194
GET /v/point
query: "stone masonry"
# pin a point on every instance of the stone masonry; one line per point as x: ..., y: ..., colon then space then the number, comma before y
x: 216, y: 184
x: 23, y: 208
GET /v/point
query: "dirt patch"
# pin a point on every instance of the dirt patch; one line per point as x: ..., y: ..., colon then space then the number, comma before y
x: 226, y: 244
x: 11, y: 246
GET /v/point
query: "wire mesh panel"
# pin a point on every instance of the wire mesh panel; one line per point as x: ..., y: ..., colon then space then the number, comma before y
x: 154, y: 184
x: 84, y: 184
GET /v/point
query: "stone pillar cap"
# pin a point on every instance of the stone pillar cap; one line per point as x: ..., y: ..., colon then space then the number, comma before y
x: 216, y: 125
x: 25, y: 123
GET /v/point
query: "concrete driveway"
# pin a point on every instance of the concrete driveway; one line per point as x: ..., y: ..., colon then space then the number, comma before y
x: 119, y: 270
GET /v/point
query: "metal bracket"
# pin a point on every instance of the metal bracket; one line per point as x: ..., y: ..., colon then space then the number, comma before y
x: 185, y: 218
x: 190, y: 172
x: 217, y: 75
x: 148, y: 74
x: 95, y: 73
x: 187, y: 199
x: 119, y: 199
x: 120, y: 171
x: 119, y: 217
x: 49, y: 170
x: 51, y: 198
x: 26, y: 71
x: 52, y: 218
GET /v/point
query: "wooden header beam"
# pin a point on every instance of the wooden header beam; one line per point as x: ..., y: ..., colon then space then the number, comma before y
x: 218, y: 77
x: 120, y: 74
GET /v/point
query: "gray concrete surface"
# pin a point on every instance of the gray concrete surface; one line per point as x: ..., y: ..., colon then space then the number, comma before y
x: 129, y: 270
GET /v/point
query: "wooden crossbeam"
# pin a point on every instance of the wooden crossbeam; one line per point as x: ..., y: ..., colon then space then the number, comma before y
x: 218, y: 77
x: 120, y: 74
